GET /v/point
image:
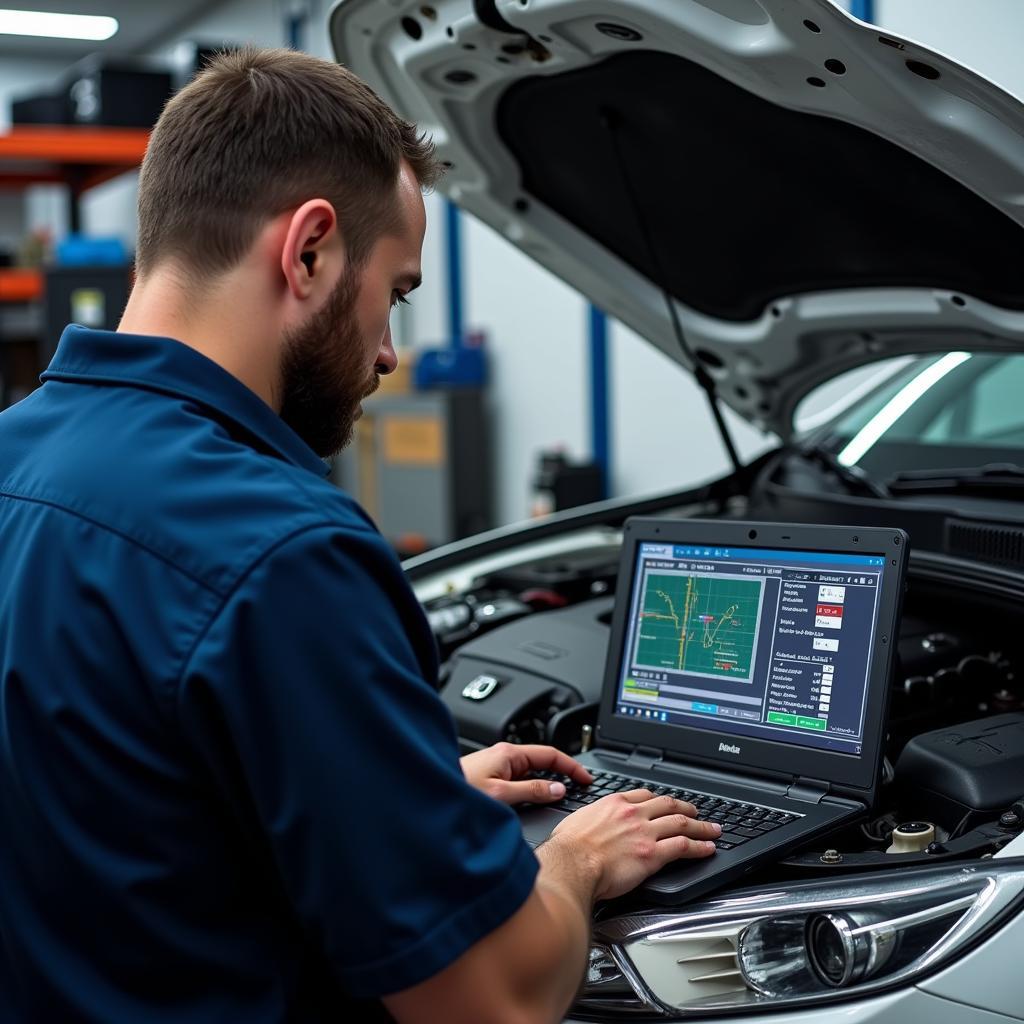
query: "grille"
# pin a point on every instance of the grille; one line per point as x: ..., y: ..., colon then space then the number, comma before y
x: 712, y: 961
x: 1003, y: 544
x: 692, y: 965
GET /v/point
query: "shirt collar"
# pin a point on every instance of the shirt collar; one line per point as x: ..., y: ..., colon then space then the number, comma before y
x: 163, y: 364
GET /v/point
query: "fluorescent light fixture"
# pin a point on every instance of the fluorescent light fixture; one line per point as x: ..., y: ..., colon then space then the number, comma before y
x: 56, y: 26
x: 868, y: 435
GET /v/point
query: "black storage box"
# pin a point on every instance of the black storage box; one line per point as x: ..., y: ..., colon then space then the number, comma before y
x: 92, y: 296
x: 119, y: 93
x: 40, y: 108
x: 566, y: 484
x: 191, y: 56
x: 964, y: 775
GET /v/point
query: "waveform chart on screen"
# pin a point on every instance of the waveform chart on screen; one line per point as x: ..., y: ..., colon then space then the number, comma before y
x: 700, y: 624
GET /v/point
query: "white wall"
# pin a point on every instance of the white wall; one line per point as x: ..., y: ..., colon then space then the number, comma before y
x: 261, y: 22
x: 665, y: 434
x: 986, y: 35
x: 536, y: 334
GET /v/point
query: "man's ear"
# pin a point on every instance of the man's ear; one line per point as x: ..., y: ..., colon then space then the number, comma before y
x: 311, y: 245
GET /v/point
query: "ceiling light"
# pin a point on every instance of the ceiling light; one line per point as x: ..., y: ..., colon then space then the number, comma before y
x: 56, y: 26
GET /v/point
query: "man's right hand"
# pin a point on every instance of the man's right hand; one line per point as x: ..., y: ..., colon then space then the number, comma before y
x: 529, y: 968
x: 626, y: 837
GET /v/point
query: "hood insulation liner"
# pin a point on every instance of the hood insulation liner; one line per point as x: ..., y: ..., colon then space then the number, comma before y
x: 748, y: 201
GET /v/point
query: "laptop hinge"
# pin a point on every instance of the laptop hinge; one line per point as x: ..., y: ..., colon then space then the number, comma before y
x: 644, y: 758
x: 810, y: 791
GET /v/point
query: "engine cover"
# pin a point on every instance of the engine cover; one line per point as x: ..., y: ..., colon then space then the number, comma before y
x: 966, y: 774
x: 516, y: 681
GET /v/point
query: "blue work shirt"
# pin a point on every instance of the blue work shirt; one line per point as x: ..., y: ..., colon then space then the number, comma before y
x: 228, y: 788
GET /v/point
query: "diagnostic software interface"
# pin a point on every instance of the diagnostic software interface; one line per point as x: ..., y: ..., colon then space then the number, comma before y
x: 769, y: 644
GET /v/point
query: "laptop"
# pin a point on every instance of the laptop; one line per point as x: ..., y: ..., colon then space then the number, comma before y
x: 748, y: 671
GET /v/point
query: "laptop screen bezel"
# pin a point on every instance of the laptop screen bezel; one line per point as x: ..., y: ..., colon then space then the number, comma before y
x: 847, y: 773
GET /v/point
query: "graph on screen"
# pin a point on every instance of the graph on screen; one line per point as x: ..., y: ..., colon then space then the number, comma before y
x: 700, y: 624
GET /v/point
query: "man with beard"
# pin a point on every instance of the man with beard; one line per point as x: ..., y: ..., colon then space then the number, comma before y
x: 228, y: 789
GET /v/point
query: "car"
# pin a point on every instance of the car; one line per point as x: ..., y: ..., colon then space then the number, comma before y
x: 824, y: 223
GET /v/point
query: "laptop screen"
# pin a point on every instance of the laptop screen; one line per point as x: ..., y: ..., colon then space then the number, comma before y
x: 771, y: 644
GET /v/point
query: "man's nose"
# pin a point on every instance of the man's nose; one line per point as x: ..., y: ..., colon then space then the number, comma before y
x: 387, y: 358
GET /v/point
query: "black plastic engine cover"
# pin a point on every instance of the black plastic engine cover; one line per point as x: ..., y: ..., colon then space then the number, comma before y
x: 575, y: 575
x: 542, y: 665
x: 966, y: 774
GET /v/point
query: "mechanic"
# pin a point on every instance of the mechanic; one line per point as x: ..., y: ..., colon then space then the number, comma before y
x: 228, y: 788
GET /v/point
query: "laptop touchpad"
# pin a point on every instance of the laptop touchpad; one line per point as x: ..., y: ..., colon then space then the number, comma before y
x: 538, y: 822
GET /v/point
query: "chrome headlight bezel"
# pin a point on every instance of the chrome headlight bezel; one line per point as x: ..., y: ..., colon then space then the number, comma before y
x: 893, y: 929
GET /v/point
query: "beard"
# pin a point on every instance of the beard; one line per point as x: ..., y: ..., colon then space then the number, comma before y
x: 323, y: 376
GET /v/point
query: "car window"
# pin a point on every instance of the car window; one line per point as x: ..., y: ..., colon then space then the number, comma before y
x: 993, y: 410
x: 845, y: 393
x: 956, y: 409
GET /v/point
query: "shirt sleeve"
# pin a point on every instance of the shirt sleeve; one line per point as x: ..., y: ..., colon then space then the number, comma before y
x: 306, y: 701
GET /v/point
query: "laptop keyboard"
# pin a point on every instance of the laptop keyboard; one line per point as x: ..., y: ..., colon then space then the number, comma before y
x: 740, y: 822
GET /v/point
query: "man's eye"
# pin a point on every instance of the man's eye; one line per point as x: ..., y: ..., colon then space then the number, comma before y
x: 397, y: 298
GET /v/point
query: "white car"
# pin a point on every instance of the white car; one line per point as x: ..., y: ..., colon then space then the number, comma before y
x: 777, y: 196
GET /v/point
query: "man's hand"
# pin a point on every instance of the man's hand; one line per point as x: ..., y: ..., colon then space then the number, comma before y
x: 529, y: 967
x: 626, y: 837
x: 495, y: 770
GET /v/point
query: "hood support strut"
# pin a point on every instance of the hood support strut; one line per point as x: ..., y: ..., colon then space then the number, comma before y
x: 610, y: 121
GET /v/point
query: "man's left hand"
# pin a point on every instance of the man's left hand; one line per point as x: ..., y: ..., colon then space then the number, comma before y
x: 498, y: 771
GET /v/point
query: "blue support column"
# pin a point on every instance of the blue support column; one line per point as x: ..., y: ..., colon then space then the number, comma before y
x: 295, y: 25
x: 453, y: 237
x: 863, y: 9
x: 600, y: 433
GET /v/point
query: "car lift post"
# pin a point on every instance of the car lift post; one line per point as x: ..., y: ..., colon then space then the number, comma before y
x: 863, y: 9
x: 453, y: 245
x: 600, y: 445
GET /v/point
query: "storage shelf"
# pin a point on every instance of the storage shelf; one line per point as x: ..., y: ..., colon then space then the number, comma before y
x: 20, y: 285
x: 79, y: 156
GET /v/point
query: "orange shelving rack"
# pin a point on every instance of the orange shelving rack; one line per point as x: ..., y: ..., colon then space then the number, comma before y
x: 17, y: 285
x: 80, y: 157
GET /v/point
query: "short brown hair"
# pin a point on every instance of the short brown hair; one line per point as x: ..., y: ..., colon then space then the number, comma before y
x: 260, y: 132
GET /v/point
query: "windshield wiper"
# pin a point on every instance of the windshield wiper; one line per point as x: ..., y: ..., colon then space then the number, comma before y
x: 857, y: 481
x: 1004, y: 478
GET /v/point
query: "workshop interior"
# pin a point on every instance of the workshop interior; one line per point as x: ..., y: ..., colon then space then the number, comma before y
x: 704, y: 455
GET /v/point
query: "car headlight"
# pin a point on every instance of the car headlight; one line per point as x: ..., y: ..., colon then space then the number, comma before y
x: 842, y: 951
x: 810, y: 944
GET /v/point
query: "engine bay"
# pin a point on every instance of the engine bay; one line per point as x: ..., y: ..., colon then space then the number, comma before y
x: 531, y: 638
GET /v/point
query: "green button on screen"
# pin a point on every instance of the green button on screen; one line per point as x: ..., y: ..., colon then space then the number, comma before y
x: 812, y: 723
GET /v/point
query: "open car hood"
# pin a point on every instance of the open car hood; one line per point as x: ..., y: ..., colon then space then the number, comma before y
x: 808, y: 192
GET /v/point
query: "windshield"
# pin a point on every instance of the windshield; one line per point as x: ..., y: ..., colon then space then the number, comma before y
x: 956, y: 410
